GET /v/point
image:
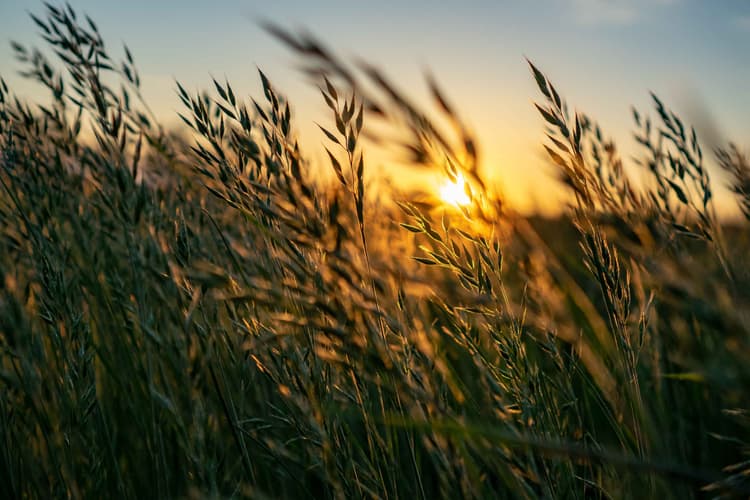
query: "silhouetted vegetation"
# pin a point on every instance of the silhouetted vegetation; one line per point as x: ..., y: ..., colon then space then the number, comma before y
x: 203, y: 316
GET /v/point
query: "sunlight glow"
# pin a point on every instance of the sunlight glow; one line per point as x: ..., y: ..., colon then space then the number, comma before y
x: 454, y: 193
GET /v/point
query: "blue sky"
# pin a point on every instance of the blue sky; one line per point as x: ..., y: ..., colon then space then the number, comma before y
x: 604, y: 56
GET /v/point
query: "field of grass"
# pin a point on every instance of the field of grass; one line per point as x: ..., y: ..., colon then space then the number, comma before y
x: 207, y: 315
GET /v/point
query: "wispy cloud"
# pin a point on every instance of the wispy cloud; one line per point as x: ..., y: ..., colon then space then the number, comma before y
x: 603, y: 12
x: 622, y: 12
x: 742, y: 22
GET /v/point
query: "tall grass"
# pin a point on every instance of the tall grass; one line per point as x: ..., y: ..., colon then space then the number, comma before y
x: 205, y: 317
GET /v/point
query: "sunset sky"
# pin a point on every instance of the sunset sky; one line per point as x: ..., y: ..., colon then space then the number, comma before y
x: 603, y: 56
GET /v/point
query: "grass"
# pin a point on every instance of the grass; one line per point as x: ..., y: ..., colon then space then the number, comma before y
x: 202, y: 316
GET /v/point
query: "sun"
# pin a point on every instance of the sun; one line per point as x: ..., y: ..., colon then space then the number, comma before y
x: 454, y: 193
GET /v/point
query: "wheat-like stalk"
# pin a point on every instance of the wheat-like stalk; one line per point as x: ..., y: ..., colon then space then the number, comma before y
x: 201, y: 313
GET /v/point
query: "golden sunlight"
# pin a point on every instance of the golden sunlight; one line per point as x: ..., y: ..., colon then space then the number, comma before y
x: 454, y: 193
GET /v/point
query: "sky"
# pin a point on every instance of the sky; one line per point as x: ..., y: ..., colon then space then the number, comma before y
x: 604, y: 57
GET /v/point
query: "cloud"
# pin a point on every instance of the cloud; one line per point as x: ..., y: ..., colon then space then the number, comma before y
x: 618, y: 12
x: 742, y: 22
x: 591, y: 12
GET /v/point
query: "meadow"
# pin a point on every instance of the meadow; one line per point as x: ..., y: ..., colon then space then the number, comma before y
x: 210, y: 314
